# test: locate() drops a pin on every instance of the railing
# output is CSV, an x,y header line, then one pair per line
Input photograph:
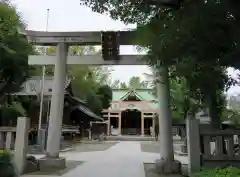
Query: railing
x,y
210,148
7,137
16,138
218,148
65,128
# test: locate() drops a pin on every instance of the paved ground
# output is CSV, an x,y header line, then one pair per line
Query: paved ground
x,y
122,159
154,146
96,146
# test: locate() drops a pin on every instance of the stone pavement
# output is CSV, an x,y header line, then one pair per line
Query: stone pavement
x,y
122,159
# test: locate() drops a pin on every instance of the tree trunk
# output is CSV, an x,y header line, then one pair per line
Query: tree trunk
x,y
214,111
165,119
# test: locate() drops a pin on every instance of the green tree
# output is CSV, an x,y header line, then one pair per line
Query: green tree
x,y
182,99
207,39
123,85
234,102
115,84
105,93
14,49
119,85
136,83
88,83
232,112
200,36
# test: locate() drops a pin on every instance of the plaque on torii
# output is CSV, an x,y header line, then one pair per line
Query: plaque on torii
x,y
110,45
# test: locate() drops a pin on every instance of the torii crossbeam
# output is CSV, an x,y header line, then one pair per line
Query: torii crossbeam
x,y
82,38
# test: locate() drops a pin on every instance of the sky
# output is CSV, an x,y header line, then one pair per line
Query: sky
x,y
68,15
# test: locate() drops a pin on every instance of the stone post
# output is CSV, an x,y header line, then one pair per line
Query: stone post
x,y
153,125
21,144
119,124
193,142
108,125
42,139
8,140
90,131
56,110
184,147
1,140
142,123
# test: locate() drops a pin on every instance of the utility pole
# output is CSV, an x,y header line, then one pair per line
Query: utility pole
x,y
41,133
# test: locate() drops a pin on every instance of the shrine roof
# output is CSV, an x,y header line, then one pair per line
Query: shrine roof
x,y
143,94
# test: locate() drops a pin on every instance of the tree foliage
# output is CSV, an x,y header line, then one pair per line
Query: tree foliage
x,y
14,51
197,41
233,109
88,83
10,112
134,82
182,99
14,48
105,92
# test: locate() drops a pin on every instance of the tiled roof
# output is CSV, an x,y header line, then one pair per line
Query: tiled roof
x,y
32,85
143,94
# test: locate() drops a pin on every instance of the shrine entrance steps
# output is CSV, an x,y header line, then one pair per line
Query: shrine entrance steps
x,y
130,138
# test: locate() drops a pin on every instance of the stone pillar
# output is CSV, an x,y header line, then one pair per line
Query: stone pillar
x,y
21,144
41,139
8,140
193,142
166,163
165,120
108,125
153,125
2,140
120,124
57,103
142,123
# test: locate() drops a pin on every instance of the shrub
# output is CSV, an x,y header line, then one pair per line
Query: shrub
x,y
6,166
5,156
218,172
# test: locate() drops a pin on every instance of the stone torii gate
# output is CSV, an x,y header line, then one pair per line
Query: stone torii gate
x,y
65,39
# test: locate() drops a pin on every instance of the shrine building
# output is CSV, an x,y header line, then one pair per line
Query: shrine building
x,y
132,112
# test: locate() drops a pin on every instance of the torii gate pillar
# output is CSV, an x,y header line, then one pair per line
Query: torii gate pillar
x,y
166,163
57,102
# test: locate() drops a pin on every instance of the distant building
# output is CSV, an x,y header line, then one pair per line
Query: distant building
x,y
132,112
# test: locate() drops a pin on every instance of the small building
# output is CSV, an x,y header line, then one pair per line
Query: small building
x,y
76,110
132,112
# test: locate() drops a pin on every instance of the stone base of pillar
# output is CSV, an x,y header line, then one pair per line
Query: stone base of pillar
x,y
176,167
47,163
